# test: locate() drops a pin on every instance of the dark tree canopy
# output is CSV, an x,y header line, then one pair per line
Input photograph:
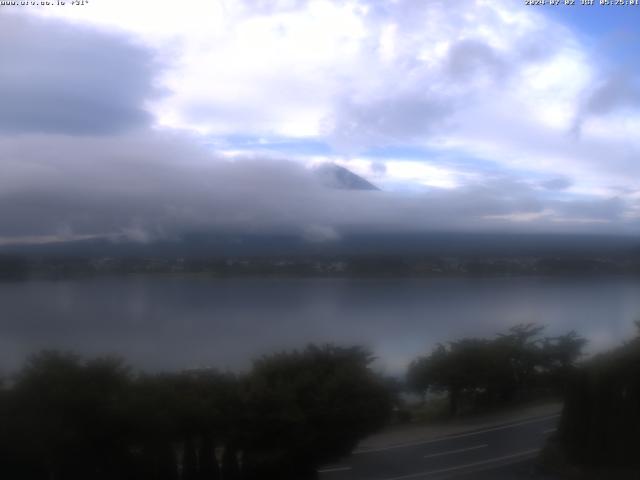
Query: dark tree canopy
x,y
600,423
497,370
67,418
312,406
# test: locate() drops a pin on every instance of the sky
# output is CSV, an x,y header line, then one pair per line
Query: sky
x,y
146,119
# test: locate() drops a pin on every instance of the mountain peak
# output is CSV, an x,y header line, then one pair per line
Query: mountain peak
x,y
334,176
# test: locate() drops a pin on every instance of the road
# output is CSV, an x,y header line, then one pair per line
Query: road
x,y
498,452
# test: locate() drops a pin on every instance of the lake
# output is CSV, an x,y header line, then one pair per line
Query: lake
x,y
184,322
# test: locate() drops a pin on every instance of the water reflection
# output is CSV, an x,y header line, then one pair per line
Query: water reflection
x,y
177,322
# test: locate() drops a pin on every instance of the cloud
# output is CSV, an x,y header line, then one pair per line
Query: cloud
x,y
344,70
558,183
431,69
378,168
320,233
88,147
470,58
61,78
619,91
391,120
608,209
161,185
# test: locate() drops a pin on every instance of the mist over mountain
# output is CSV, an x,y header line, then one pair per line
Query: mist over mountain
x,y
212,244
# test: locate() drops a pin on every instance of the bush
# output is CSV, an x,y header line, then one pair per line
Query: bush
x,y
68,418
600,425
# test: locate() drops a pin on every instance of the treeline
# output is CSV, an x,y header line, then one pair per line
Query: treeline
x,y
13,267
66,418
600,425
18,267
478,373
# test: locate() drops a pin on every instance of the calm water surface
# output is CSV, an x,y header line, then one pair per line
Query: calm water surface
x,y
183,322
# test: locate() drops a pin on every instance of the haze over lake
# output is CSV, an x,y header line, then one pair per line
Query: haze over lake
x,y
184,322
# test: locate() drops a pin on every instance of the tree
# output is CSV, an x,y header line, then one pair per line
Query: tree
x,y
493,371
305,408
600,422
67,419
461,368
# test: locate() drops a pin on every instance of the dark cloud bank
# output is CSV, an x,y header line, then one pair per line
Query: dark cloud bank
x,y
61,78
159,185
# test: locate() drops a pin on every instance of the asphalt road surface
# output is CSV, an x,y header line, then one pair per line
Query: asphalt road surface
x,y
499,452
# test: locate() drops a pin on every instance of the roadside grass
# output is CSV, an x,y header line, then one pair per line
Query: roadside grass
x,y
436,409
430,411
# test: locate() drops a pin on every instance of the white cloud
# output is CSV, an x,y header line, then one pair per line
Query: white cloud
x,y
405,173
240,66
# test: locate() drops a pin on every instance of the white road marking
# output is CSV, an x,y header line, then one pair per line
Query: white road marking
x,y
460,450
334,469
452,437
468,465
